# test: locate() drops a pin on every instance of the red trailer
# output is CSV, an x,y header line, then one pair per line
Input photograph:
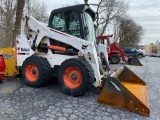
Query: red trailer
x,y
2,67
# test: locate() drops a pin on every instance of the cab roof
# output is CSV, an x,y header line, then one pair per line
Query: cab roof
x,y
78,8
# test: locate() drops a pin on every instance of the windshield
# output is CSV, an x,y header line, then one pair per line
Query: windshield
x,y
90,36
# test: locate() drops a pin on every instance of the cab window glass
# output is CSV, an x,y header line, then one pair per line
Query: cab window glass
x,y
67,22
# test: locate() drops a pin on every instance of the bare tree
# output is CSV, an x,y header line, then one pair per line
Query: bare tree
x,y
7,12
116,23
107,10
37,9
128,33
7,20
11,12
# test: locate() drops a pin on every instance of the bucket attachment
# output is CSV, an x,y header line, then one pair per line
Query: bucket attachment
x,y
125,90
134,61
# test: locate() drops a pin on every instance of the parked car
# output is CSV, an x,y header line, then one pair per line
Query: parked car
x,y
143,52
154,55
132,51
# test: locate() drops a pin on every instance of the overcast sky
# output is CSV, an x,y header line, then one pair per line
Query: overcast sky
x,y
144,12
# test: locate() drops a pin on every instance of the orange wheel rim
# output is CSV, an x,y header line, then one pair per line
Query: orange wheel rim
x,y
72,77
32,72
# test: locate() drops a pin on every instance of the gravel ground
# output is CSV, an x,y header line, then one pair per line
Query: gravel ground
x,y
20,102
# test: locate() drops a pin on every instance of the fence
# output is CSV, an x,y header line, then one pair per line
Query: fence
x,y
7,36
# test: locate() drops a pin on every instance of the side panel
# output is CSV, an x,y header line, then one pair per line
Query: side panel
x,y
23,49
55,59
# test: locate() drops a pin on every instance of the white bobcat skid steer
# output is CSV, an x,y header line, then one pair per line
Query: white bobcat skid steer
x,y
67,48
35,55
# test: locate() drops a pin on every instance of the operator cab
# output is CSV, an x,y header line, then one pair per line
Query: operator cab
x,y
74,20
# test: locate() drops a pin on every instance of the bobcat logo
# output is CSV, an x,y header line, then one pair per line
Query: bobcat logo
x,y
84,46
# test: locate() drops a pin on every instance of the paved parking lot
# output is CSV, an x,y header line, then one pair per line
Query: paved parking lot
x,y
20,102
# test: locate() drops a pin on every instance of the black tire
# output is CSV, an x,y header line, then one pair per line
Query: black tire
x,y
140,56
86,73
115,58
41,71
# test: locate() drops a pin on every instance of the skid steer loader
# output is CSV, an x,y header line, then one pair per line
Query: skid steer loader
x,y
67,48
